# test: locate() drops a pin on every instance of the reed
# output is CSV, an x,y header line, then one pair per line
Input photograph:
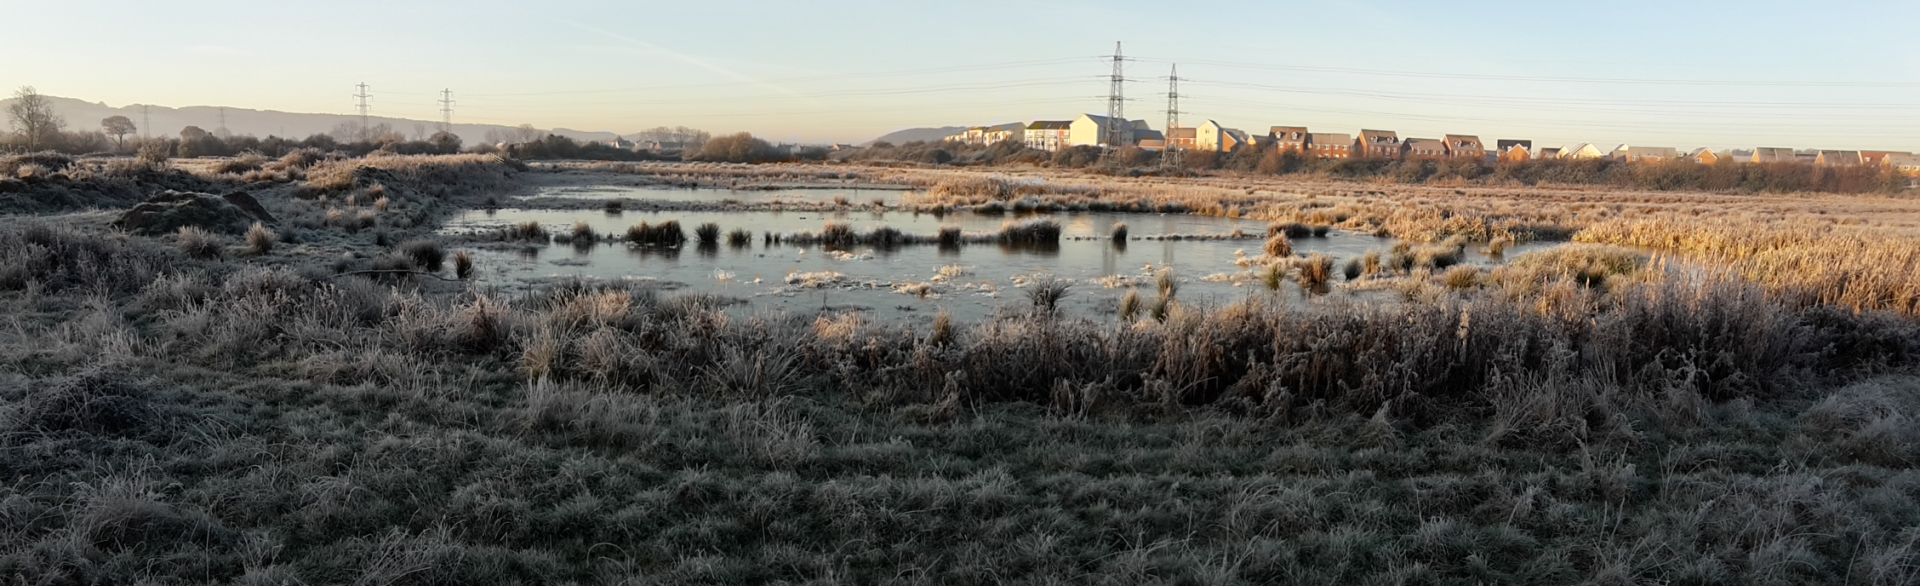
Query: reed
x,y
708,234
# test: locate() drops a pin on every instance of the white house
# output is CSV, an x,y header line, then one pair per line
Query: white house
x,y
1211,136
1091,130
1048,135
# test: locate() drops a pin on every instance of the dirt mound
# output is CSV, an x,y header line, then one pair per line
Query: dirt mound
x,y
170,210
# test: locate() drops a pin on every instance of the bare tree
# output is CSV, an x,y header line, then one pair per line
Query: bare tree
x,y
526,133
118,127
31,114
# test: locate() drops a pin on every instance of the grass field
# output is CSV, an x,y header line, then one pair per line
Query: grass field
x,y
285,414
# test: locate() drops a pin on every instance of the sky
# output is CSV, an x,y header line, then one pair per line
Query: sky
x,y
1679,73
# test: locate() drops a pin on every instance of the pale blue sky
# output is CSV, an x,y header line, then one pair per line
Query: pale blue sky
x,y
1810,75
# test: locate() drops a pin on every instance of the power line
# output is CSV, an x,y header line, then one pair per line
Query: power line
x,y
899,73
1542,79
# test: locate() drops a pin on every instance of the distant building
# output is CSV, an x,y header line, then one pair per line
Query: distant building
x,y
1091,130
1513,151
1329,145
1838,159
1582,151
1904,163
1182,137
1289,138
1773,155
1461,146
621,143
1013,131
1377,144
1048,135
1638,154
1422,148
1706,156
1211,136
1878,158
1549,153
1149,139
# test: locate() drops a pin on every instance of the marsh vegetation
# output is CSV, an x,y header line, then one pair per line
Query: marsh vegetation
x,y
324,399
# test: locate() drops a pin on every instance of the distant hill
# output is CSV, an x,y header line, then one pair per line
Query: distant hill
x,y
82,115
913,134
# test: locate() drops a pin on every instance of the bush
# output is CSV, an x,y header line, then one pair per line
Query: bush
x,y
738,148
425,253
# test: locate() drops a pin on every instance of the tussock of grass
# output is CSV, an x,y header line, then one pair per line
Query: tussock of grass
x,y
708,233
260,240
1120,233
666,233
463,264
200,243
1279,246
427,254
739,238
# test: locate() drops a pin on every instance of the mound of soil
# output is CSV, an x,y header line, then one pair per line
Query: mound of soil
x,y
170,210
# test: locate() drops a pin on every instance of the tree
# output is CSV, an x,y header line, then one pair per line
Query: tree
x,y
445,142
739,148
118,127
32,115
193,133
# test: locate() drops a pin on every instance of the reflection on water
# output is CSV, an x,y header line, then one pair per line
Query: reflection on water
x,y
990,275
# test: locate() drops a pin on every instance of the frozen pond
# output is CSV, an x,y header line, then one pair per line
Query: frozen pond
x,y
853,196
970,281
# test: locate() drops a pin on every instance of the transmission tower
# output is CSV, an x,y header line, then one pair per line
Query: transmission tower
x,y
1170,156
146,121
1116,102
446,111
221,131
364,108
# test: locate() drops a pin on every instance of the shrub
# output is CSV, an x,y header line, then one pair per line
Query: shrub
x,y
199,243
1290,229
425,253
1316,270
738,148
739,238
260,240
1046,293
708,233
583,235
949,237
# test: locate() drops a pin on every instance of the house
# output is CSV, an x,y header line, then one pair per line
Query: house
x,y
1584,150
1422,148
1211,136
1289,138
1181,137
1091,130
1377,144
1773,155
1461,146
1634,153
1878,158
1327,145
1149,139
1838,159
1013,131
663,145
1904,164
1706,156
621,143
1513,151
1548,153
1048,135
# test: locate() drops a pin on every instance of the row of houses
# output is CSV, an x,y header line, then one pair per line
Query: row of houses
x,y
1093,130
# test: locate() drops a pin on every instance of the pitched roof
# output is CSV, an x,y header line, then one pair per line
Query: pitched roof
x,y
1183,132
1330,138
1387,136
1007,126
1424,144
1505,143
1050,125
1283,131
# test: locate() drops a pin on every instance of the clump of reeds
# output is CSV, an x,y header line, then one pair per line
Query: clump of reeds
x,y
382,204
425,253
1030,232
1290,229
1272,275
1371,263
708,233
527,231
199,243
1130,305
838,234
583,235
949,237
942,333
666,233
1461,277
613,208
739,238
1046,293
1315,271
260,240
1279,246
1120,233
1353,269
462,265
1499,244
